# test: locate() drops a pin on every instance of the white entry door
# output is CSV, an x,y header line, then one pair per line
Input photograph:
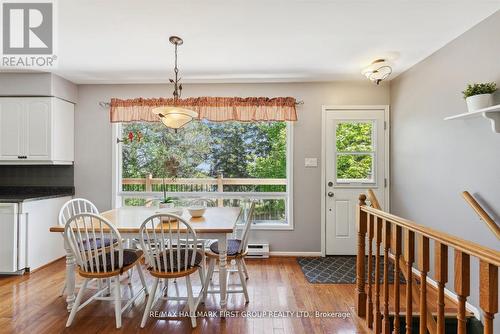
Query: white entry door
x,y
356,158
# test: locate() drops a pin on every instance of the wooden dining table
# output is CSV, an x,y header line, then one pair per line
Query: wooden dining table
x,y
216,223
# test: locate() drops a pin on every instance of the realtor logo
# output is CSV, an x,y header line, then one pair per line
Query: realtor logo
x,y
27,28
28,34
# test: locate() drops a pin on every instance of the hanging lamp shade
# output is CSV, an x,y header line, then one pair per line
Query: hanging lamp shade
x,y
174,117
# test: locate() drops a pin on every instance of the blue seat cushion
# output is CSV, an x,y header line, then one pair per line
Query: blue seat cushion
x,y
89,243
166,266
129,257
233,247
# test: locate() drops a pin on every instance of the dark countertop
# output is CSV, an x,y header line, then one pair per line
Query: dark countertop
x,y
24,194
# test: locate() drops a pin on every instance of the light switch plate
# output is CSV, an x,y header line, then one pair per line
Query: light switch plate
x,y
311,162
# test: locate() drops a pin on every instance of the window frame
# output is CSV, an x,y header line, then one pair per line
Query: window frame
x,y
118,195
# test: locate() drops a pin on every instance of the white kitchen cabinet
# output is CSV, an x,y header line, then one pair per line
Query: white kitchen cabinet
x,y
36,130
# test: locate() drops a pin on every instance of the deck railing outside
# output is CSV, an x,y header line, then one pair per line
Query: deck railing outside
x,y
270,194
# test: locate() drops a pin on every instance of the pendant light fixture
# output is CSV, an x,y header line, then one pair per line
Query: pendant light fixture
x,y
377,71
172,116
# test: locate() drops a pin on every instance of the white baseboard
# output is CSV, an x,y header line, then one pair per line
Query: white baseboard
x,y
303,254
450,294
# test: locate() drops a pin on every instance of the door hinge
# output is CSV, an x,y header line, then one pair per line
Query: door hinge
x,y
385,125
385,183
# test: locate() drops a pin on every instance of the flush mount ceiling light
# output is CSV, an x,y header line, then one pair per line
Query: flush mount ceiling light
x,y
377,71
172,116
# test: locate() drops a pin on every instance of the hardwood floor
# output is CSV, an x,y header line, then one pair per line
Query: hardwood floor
x,y
31,304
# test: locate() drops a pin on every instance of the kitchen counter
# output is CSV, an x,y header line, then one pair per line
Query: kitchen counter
x,y
25,194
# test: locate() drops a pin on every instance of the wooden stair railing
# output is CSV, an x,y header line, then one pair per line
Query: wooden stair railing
x,y
405,264
482,214
489,260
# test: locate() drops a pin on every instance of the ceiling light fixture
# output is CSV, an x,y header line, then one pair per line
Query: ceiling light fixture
x,y
172,116
377,71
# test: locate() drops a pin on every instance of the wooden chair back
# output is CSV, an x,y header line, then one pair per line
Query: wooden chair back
x,y
168,238
85,234
247,226
74,207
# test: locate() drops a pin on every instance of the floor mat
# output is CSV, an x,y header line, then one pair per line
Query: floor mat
x,y
339,269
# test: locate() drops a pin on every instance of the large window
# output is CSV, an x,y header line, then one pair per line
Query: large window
x,y
227,163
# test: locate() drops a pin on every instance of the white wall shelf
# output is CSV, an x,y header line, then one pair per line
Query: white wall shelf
x,y
491,113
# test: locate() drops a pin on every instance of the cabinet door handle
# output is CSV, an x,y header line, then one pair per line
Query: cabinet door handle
x,y
22,157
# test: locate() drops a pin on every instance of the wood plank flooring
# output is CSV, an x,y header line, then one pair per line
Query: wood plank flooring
x,y
31,304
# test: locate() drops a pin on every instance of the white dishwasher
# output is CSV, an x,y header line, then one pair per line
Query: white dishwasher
x,y
13,239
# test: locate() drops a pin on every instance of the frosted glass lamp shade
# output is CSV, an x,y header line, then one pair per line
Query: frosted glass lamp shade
x,y
377,71
175,117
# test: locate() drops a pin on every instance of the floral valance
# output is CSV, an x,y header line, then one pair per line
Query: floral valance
x,y
218,109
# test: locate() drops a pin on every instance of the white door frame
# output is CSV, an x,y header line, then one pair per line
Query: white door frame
x,y
333,108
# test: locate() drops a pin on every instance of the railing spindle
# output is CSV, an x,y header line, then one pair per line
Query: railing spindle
x,y
409,254
360,259
369,305
462,287
378,242
396,249
423,266
441,272
488,293
387,243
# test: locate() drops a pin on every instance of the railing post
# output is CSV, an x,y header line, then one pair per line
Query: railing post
x,y
462,287
441,276
423,266
488,293
360,259
149,183
220,189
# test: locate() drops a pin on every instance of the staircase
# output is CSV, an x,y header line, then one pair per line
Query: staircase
x,y
386,308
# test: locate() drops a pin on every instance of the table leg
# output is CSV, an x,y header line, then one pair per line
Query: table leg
x,y
223,271
70,277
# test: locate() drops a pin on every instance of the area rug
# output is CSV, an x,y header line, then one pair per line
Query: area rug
x,y
339,269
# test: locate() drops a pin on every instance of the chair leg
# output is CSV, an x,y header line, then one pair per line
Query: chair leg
x,y
118,303
192,311
245,267
141,276
243,281
76,305
151,298
208,277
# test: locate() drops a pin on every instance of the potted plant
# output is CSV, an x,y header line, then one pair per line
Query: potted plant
x,y
171,170
479,95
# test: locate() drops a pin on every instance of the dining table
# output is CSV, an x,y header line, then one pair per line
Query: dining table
x,y
216,223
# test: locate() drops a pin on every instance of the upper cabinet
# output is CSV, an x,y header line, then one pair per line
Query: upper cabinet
x,y
36,130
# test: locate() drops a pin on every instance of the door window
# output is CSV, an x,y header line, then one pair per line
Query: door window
x,y
355,152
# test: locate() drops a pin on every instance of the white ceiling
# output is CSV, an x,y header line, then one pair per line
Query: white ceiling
x,y
126,41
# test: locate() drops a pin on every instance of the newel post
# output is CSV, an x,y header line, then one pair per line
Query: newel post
x,y
361,218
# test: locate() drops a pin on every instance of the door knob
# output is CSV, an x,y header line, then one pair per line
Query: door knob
x,y
330,194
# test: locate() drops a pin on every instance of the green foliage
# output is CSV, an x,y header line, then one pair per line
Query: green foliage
x,y
354,137
479,88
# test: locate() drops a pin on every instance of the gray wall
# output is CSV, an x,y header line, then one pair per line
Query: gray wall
x,y
93,143
37,84
434,160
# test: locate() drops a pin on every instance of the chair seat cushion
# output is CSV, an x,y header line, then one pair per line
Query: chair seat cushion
x,y
233,247
169,267
130,256
89,243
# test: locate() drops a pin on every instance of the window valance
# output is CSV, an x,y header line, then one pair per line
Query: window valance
x,y
218,109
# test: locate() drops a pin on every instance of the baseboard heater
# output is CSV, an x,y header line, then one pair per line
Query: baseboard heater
x,y
258,251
